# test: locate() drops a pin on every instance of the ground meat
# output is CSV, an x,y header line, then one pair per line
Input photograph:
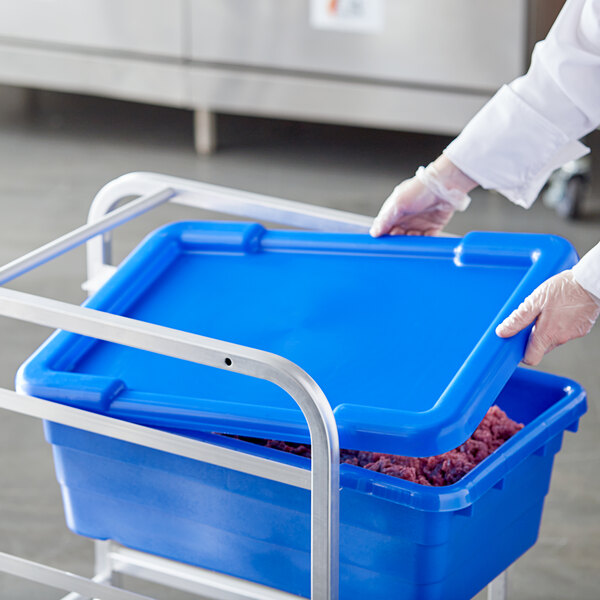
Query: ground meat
x,y
444,469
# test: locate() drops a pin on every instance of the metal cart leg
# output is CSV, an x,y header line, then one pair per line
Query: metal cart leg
x,y
498,589
103,563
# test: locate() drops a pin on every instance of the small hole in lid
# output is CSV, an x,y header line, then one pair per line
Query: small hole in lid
x,y
228,361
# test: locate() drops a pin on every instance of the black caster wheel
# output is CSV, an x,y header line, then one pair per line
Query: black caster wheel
x,y
569,206
567,189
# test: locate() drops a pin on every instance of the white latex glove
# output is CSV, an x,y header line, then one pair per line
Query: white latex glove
x,y
562,311
422,205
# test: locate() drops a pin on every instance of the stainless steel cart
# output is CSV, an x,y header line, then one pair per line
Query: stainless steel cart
x,y
112,560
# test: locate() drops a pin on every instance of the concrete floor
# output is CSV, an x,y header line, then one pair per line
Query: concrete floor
x,y
53,160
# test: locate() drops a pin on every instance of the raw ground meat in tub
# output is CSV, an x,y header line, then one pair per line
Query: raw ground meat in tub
x,y
444,469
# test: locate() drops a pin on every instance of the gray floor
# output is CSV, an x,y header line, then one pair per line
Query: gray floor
x,y
55,156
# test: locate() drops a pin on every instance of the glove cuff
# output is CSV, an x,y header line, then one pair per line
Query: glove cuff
x,y
430,178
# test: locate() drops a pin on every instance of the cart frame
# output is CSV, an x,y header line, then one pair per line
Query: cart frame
x,y
112,560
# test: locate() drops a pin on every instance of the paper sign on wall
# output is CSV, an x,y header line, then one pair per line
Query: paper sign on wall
x,y
365,16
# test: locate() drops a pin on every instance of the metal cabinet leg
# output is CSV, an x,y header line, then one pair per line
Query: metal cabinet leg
x,y
498,589
205,131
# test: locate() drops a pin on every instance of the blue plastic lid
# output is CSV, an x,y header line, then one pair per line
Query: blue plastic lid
x,y
398,331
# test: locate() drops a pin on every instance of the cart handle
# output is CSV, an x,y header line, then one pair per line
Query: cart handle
x,y
202,350
214,198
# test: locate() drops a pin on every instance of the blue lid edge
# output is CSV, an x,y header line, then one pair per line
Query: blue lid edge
x,y
137,272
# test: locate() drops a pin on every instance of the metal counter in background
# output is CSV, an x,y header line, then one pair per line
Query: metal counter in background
x,y
420,65
425,66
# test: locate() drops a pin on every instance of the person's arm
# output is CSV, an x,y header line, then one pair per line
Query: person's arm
x,y
587,271
528,129
531,126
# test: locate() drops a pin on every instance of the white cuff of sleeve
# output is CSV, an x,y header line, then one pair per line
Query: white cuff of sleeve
x,y
510,147
587,272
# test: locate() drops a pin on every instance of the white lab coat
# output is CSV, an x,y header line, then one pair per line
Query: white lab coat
x,y
532,125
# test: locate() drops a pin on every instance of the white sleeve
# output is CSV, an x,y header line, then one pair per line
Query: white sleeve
x,y
587,271
531,126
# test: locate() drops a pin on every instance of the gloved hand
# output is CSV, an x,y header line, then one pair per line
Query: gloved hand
x,y
424,204
563,311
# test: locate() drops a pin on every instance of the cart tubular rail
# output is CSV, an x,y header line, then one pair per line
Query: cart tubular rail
x,y
152,190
